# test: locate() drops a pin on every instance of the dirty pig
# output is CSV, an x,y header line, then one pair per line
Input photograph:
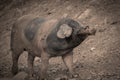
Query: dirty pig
x,y
46,38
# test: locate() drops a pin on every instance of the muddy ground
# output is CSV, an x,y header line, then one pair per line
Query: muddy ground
x,y
97,58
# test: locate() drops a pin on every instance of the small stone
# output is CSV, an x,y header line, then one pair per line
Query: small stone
x,y
37,59
93,48
65,15
20,76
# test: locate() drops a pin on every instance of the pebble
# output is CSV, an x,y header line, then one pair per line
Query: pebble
x,y
20,76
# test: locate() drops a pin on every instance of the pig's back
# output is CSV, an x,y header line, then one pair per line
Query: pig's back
x,y
32,28
25,28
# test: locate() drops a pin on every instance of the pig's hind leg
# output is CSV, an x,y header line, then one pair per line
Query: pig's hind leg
x,y
15,56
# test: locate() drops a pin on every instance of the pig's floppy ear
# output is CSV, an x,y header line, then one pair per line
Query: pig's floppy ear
x,y
64,31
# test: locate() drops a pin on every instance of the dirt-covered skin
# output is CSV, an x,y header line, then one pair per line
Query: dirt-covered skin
x,y
97,58
46,38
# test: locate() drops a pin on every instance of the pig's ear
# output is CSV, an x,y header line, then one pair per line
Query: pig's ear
x,y
64,31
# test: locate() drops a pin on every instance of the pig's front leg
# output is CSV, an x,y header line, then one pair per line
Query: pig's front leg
x,y
68,61
30,66
45,61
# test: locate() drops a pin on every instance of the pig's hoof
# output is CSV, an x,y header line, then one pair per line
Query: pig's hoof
x,y
20,76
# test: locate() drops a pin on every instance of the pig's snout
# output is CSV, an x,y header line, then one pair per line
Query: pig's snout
x,y
87,31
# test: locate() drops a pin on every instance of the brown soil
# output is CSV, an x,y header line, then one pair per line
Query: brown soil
x,y
97,58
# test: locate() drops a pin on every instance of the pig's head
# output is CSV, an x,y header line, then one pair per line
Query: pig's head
x,y
67,34
72,27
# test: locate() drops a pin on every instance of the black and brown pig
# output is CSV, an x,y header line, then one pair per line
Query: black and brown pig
x,y
46,38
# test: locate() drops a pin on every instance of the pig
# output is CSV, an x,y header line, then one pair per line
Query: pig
x,y
46,38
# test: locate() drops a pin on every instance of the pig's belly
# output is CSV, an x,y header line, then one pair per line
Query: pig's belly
x,y
54,53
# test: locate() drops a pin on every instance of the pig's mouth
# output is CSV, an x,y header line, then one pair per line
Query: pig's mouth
x,y
87,31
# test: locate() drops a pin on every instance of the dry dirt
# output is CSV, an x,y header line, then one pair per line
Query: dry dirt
x,y
97,58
